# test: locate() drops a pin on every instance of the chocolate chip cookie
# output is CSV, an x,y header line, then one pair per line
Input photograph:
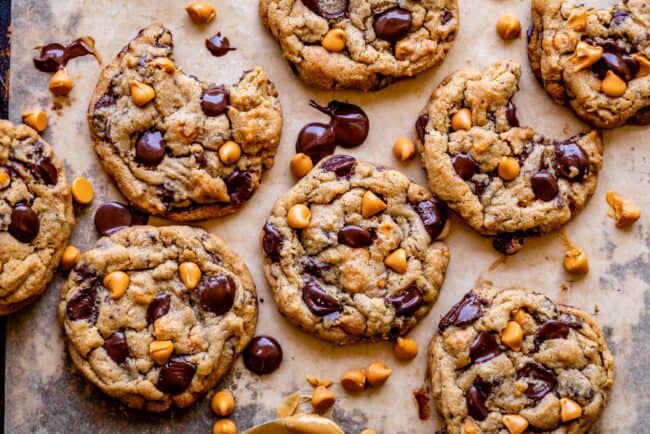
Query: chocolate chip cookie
x,y
512,360
36,216
177,146
351,252
156,316
362,44
503,179
597,61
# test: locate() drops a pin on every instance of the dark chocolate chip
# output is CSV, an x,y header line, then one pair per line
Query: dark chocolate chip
x,y
316,140
319,302
571,161
433,214
218,45
175,376
544,186
618,65
551,329
393,25
354,236
465,165
106,100
342,165
619,16
484,348
508,243
446,16
349,122
217,294
421,125
240,187
406,302
116,347
150,148
314,267
328,9
263,355
82,307
111,217
544,380
511,114
272,242
464,312
158,307
46,170
214,101
24,224
476,404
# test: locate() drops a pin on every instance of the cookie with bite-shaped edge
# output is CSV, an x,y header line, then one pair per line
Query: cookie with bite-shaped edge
x,y
376,42
503,179
597,61
195,150
513,356
367,263
36,215
156,333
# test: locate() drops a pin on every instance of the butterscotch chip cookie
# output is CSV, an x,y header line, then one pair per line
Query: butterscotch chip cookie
x,y
363,44
500,177
507,360
364,264
156,316
36,216
597,61
159,132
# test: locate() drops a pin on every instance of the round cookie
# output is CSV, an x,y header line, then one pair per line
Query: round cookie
x,y
514,358
501,178
597,61
370,43
363,263
156,316
36,216
196,150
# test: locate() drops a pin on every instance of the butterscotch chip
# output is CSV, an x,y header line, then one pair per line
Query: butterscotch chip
x,y
377,374
201,12
322,399
613,85
36,119
301,164
334,40
462,120
625,212
404,148
82,191
406,349
141,93
509,27
190,274
61,84
224,426
223,403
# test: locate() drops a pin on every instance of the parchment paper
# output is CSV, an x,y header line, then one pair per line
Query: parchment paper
x,y
43,394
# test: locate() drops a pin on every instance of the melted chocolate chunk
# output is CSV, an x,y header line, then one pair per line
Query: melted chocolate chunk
x,y
465,165
571,161
446,16
393,25
314,267
349,122
619,17
46,170
158,307
55,56
616,63
421,125
544,186
218,294
272,242
551,329
116,347
328,9
511,114
508,243
317,141
150,148
484,348
476,403
82,307
319,302
240,187
106,100
218,45
354,236
407,302
111,217
433,214
544,380
175,376
342,165
24,224
464,312
214,101
263,355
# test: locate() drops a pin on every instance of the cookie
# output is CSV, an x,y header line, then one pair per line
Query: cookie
x,y
597,61
155,317
176,146
500,177
351,252
362,44
507,360
36,216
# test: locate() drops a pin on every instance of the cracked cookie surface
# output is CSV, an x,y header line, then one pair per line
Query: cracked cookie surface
x,y
500,177
148,329
366,264
597,61
382,40
36,216
167,155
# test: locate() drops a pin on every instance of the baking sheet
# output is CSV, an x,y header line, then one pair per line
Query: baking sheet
x,y
43,394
